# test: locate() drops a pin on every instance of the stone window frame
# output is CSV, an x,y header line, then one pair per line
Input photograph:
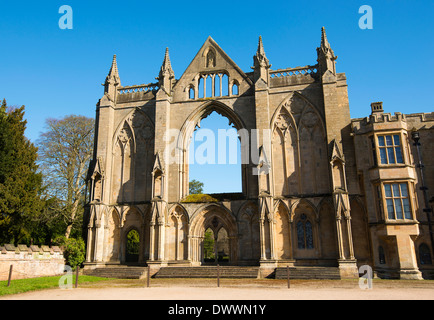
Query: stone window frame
x,y
224,89
384,213
376,148
303,220
191,89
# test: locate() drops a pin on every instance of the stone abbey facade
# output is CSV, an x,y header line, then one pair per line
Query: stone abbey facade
x,y
327,190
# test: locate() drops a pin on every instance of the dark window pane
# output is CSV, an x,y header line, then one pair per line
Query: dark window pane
x,y
300,235
391,155
404,192
383,156
382,256
396,140
398,209
395,188
389,141
309,235
381,141
407,211
388,190
399,155
390,210
424,254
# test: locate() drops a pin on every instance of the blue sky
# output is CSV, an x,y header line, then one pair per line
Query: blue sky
x,y
56,72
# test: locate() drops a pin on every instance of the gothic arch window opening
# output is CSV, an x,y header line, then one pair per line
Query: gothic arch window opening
x,y
304,233
213,85
235,88
214,156
191,93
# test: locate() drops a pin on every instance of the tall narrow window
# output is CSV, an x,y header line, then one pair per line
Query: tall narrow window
x,y
201,90
374,151
390,149
225,85
304,233
381,255
191,93
379,202
208,84
234,89
397,201
217,85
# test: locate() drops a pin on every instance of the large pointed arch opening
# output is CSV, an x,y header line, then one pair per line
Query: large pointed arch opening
x,y
211,149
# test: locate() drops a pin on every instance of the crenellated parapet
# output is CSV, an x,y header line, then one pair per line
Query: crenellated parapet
x,y
30,261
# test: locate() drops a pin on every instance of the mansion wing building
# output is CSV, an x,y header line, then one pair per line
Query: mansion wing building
x,y
326,191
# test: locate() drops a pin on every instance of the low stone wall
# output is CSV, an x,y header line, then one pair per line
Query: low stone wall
x,y
30,262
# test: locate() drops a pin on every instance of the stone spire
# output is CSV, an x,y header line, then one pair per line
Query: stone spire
x,y
114,68
326,56
166,74
260,53
261,63
324,42
112,80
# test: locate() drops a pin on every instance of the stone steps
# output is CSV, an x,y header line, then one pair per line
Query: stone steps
x,y
208,272
235,272
325,273
121,272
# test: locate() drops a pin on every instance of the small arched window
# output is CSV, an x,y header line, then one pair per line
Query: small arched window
x,y
235,89
304,233
424,255
191,93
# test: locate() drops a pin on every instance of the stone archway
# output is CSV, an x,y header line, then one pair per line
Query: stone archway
x,y
186,132
224,230
132,246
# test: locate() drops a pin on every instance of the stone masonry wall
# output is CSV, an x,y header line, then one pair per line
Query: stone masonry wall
x,y
30,262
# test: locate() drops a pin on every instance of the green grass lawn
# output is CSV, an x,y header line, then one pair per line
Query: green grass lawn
x,y
24,285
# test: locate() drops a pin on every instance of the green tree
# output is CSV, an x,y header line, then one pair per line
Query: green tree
x,y
208,246
20,182
65,151
195,187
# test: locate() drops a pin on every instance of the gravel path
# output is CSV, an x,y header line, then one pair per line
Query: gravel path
x,y
304,291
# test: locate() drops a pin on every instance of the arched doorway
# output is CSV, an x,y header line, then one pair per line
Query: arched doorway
x,y
214,236
132,247
216,247
222,246
209,246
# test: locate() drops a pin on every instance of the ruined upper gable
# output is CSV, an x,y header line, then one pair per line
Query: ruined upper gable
x,y
211,74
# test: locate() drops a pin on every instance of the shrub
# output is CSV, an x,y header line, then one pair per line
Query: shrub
x,y
73,250
199,198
